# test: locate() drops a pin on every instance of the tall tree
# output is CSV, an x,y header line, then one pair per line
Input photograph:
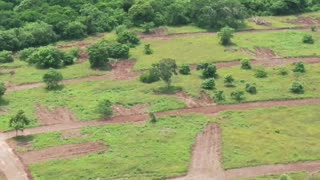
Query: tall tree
x,y
165,69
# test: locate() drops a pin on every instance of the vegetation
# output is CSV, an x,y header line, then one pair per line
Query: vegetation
x,y
297,88
3,89
165,69
251,88
228,80
245,64
210,71
219,96
19,122
260,73
98,55
225,35
52,79
6,57
308,39
299,67
147,49
184,69
208,83
105,108
237,95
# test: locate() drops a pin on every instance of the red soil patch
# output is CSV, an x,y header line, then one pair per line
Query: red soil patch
x,y
191,102
61,152
137,109
123,70
264,53
60,116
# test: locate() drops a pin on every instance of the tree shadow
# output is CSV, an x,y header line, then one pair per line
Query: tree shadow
x,y
24,139
166,90
56,88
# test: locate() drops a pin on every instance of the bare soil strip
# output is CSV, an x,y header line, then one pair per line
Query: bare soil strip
x,y
61,152
60,116
192,102
250,172
137,109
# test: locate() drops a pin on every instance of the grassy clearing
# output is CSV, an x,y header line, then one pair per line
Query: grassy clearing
x,y
83,98
150,151
185,50
276,22
26,74
270,136
294,176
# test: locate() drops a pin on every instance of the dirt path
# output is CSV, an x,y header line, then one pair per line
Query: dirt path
x,y
10,164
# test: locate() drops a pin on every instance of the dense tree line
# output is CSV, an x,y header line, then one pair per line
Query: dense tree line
x,y
29,23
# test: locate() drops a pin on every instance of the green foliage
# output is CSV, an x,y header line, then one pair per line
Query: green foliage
x,y
245,64
285,177
261,73
208,84
3,89
184,69
251,88
153,118
128,37
225,35
149,77
283,71
104,108
237,95
210,71
165,69
19,121
52,79
202,66
141,11
74,30
228,80
308,39
219,96
313,28
46,57
98,55
299,67
148,27
147,49
6,57
25,53
297,88
117,50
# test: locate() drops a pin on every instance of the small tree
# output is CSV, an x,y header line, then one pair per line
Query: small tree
x,y
219,96
202,66
313,28
251,88
147,49
297,88
245,64
3,89
165,69
184,69
46,57
6,57
237,95
228,81
105,108
52,79
153,118
261,73
208,83
225,35
19,122
299,67
98,54
210,71
307,39
148,27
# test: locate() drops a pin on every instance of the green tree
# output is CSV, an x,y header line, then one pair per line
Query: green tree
x,y
297,88
117,50
105,108
148,27
128,37
228,80
52,79
210,71
208,83
299,67
245,64
308,39
225,35
19,122
251,88
6,57
237,95
165,69
3,89
46,57
147,49
74,30
261,73
141,12
98,55
184,69
219,96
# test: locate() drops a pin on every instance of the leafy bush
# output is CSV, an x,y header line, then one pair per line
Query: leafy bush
x,y
52,79
105,108
184,69
297,88
68,59
245,64
299,67
283,71
98,55
6,57
225,35
210,71
149,77
117,50
251,88
208,84
313,28
46,57
25,53
307,39
128,37
261,73
3,89
74,30
285,177
219,96
237,95
228,80
147,49
148,27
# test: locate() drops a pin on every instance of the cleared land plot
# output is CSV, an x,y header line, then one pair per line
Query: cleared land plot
x,y
149,151
270,136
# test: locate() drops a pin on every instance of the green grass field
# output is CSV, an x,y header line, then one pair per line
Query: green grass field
x,y
150,151
270,136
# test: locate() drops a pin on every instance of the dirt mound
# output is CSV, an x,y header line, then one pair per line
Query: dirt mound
x,y
61,152
191,102
137,109
61,115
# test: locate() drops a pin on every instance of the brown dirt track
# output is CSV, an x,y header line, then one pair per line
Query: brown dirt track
x,y
61,152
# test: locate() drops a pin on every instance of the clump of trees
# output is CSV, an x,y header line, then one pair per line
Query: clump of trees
x,y
52,79
149,77
130,38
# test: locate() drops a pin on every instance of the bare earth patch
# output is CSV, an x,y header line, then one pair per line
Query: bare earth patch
x,y
61,152
192,102
264,53
61,115
137,109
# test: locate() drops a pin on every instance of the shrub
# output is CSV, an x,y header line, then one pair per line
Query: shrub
x,y
147,49
208,83
117,50
245,64
313,28
98,55
299,67
6,57
202,66
297,88
52,79
237,95
285,177
210,71
74,30
2,89
68,59
283,71
184,69
307,39
225,35
25,53
105,108
251,88
260,73
228,80
148,27
128,37
219,96
149,77
153,118
46,57
75,52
